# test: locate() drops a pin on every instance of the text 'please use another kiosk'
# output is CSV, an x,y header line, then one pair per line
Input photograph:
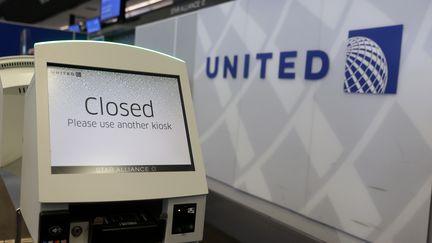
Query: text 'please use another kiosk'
x,y
111,150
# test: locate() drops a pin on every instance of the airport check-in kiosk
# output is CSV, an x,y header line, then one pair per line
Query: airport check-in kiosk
x,y
111,150
15,75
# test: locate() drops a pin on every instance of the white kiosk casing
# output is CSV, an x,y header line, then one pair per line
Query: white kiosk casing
x,y
16,73
50,181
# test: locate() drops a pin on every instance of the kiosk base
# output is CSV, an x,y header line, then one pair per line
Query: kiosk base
x,y
163,220
141,221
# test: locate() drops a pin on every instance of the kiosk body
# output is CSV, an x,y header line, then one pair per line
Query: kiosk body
x,y
15,75
93,171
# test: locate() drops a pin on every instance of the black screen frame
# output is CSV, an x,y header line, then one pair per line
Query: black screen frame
x,y
124,168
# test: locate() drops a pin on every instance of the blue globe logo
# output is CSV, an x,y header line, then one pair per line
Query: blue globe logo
x,y
366,69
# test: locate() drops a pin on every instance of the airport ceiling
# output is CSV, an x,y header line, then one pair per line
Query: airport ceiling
x,y
34,11
57,13
53,13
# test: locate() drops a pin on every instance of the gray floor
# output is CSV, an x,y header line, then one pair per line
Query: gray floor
x,y
247,225
7,213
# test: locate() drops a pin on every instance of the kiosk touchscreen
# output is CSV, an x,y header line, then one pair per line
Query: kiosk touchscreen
x,y
16,73
111,150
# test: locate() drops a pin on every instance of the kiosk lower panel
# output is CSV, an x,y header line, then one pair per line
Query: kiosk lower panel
x,y
132,222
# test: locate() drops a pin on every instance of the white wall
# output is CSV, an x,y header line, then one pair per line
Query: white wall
x,y
359,163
